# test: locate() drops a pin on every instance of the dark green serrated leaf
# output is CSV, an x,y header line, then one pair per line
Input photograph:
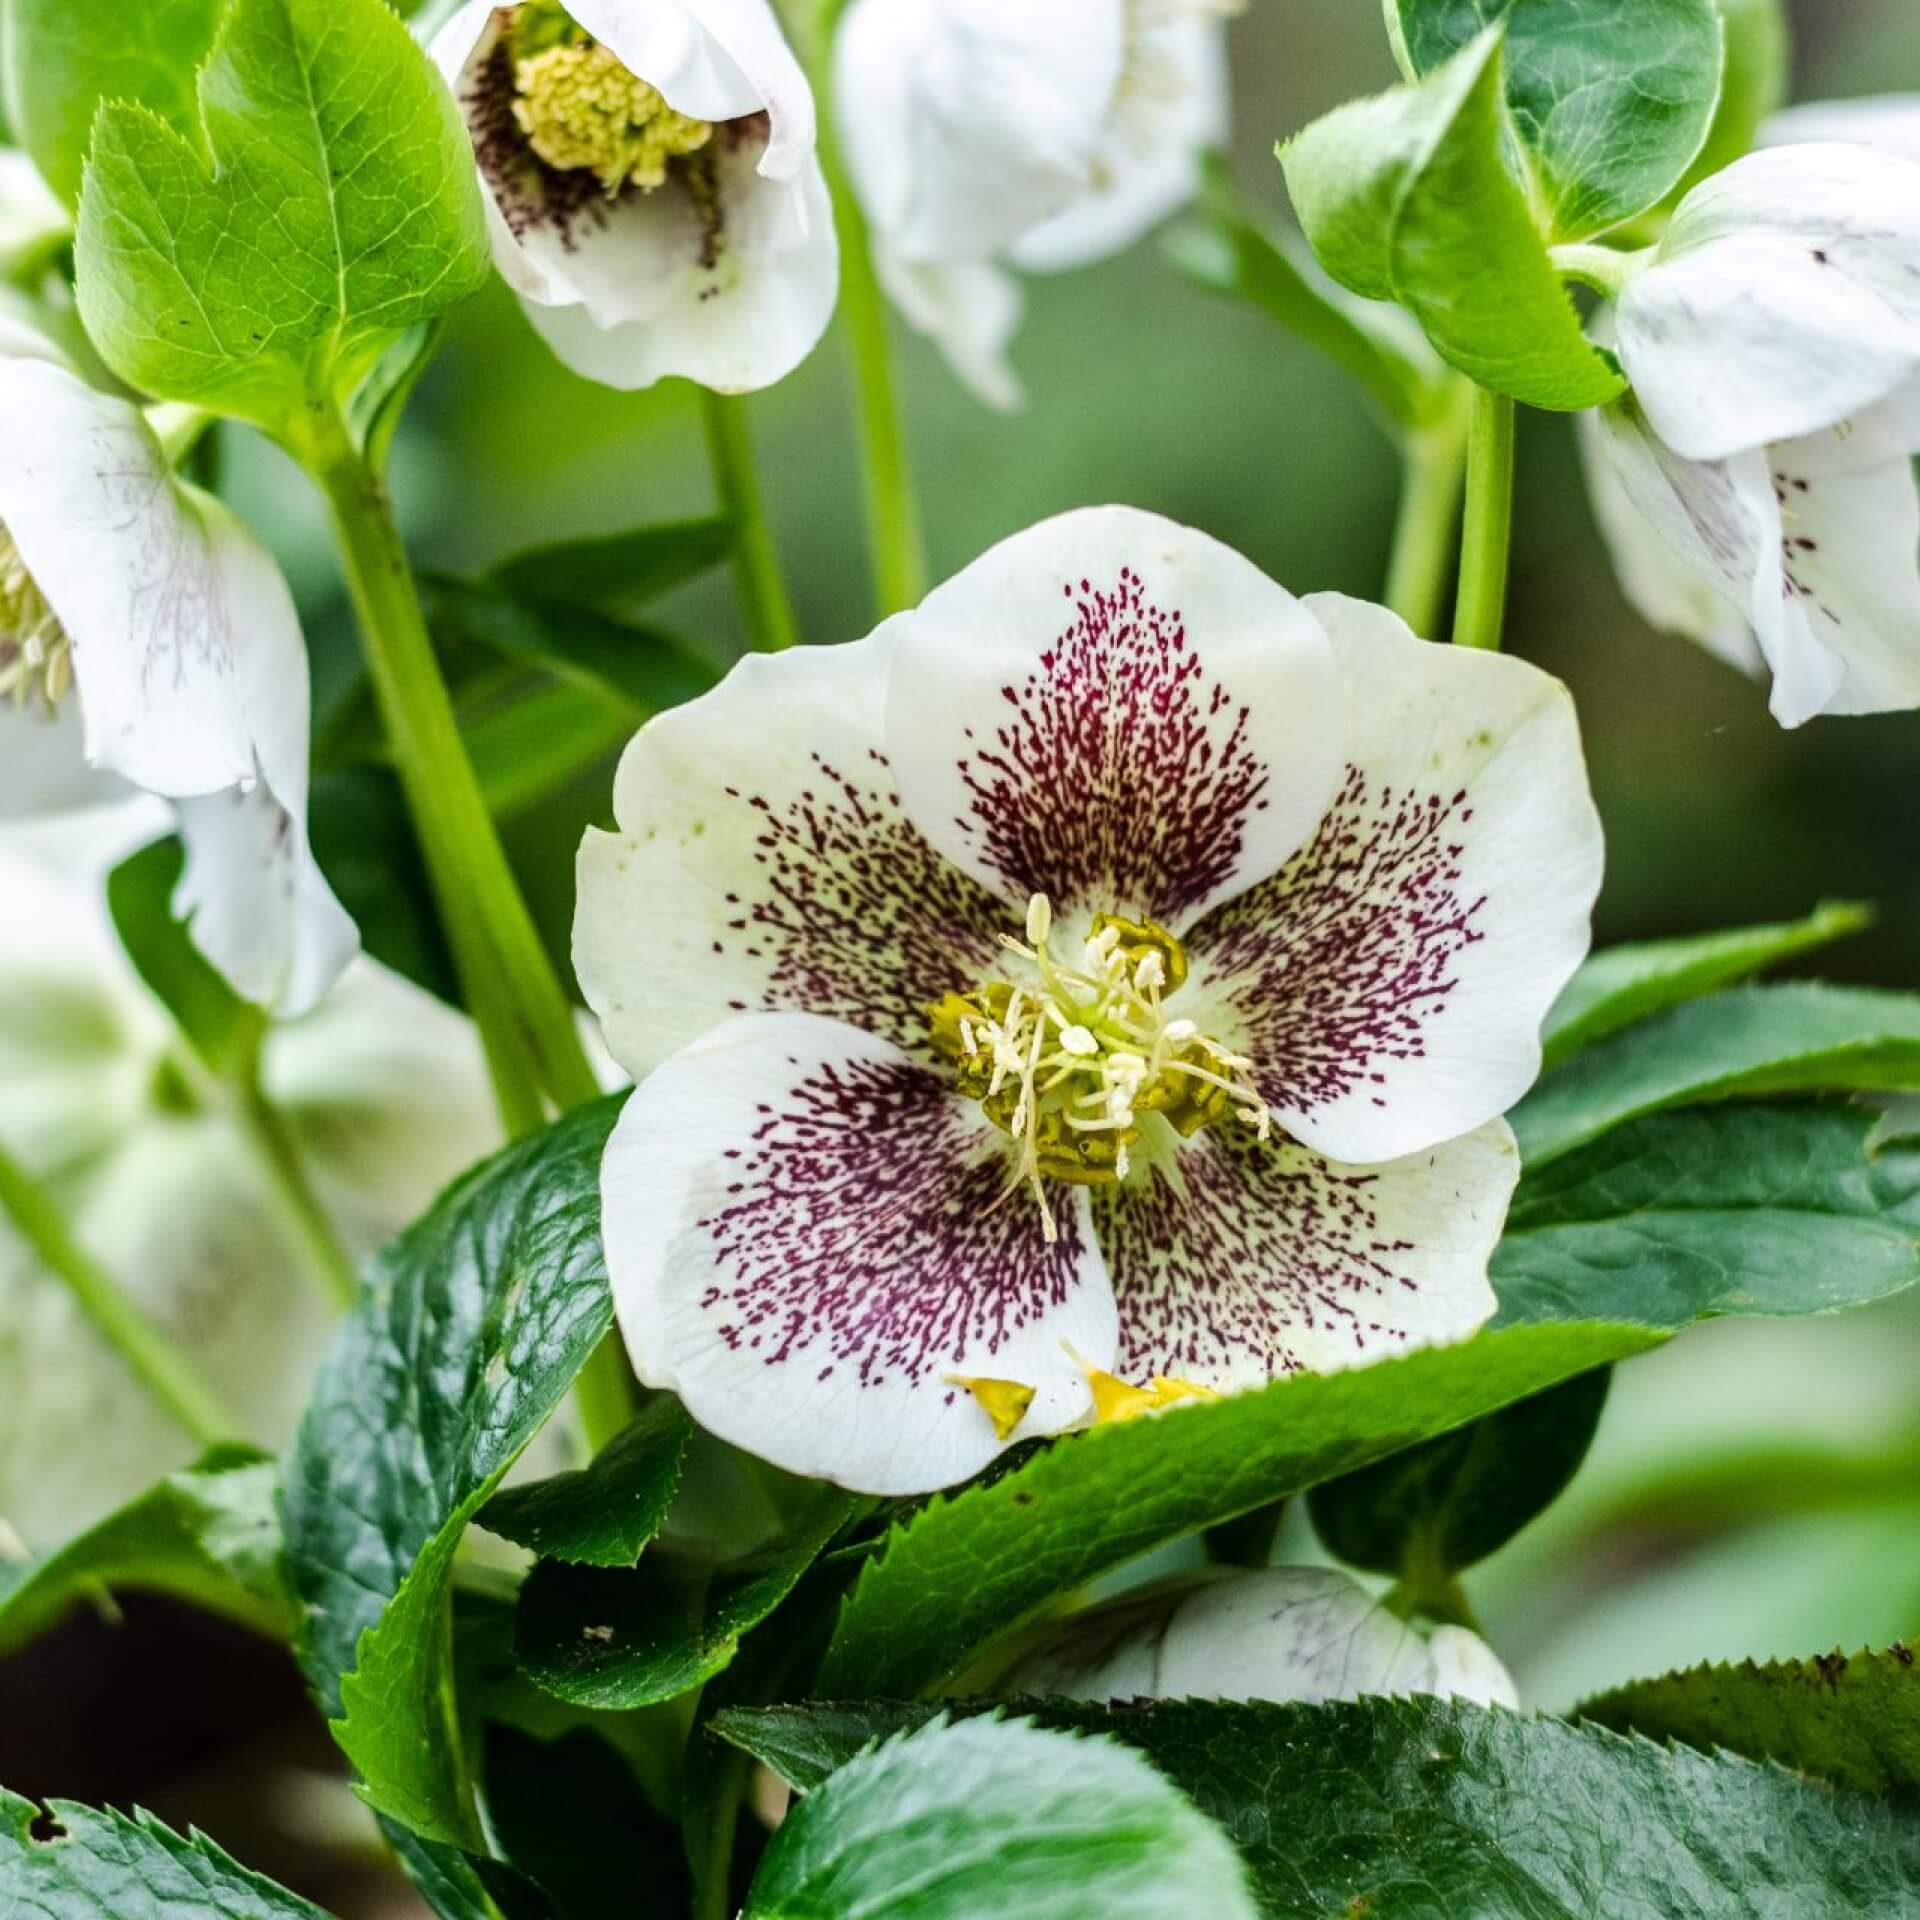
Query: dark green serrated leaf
x,y
62,59
614,572
631,1637
467,1334
1610,99
950,1822
603,1514
1794,1038
217,1023
208,1535
977,1564
1407,198
1424,1809
104,1866
1629,983
1853,1718
331,209
1774,1209
1430,1512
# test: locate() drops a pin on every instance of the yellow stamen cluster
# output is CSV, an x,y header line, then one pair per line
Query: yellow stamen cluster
x,y
1070,1061
581,109
36,656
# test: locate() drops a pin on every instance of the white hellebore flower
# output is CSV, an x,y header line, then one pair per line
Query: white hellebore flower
x,y
1303,1634
983,132
174,630
651,187
385,1093
1114,966
1773,342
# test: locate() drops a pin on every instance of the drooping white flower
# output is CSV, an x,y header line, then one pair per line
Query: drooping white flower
x,y
385,1092
986,133
1113,967
1888,121
172,628
651,186
1303,1634
1773,342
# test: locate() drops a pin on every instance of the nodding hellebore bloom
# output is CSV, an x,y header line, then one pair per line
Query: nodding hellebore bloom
x,y
1098,987
982,134
1285,1633
1757,486
385,1095
145,601
651,188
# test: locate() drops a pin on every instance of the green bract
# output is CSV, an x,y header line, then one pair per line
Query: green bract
x,y
1408,197
326,207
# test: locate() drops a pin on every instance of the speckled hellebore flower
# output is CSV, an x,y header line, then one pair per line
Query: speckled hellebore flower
x,y
988,134
651,188
384,1091
1757,487
133,593
1285,1633
1102,984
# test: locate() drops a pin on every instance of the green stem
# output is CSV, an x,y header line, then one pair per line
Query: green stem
x,y
326,1259
1435,461
1486,538
603,1394
160,1367
756,561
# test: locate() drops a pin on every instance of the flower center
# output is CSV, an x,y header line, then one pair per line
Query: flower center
x,y
1069,1060
36,656
581,110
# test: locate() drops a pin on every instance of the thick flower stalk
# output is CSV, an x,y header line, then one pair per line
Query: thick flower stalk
x,y
986,135
1302,1634
1100,986
651,188
145,601
1757,487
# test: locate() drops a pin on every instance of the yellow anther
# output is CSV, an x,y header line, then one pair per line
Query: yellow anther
x,y
1116,1399
1039,919
582,110
1005,1402
36,656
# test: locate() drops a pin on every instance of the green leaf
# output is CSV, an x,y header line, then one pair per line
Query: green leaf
x,y
988,1816
612,573
979,1563
1407,198
217,1023
62,59
1414,1809
1777,1209
104,1866
1610,100
601,1515
340,211
1426,1514
1796,1038
467,1334
631,1637
1628,983
1755,82
531,747
1852,1718
207,1535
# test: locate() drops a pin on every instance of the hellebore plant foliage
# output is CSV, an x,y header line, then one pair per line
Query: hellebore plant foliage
x,y
1111,1050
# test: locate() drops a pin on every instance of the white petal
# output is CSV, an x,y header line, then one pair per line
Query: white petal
x,y
1888,121
45,763
966,121
1671,587
804,1243
31,216
970,309
1466,1668
1116,711
1784,298
763,862
1389,983
1235,1261
1170,107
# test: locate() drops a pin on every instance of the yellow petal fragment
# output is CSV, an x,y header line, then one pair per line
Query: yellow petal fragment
x,y
1117,1399
1005,1402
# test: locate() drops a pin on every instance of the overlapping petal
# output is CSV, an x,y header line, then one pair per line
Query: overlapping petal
x,y
1888,121
805,1243
1116,711
1389,982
